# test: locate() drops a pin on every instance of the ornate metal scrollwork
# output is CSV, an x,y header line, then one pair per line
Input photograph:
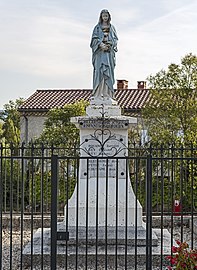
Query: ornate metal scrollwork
x,y
103,143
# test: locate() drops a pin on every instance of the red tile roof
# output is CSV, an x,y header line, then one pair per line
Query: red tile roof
x,y
44,100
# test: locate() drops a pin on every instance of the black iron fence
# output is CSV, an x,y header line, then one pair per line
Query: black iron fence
x,y
113,213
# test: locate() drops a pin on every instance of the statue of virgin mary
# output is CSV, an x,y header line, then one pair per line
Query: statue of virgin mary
x,y
104,46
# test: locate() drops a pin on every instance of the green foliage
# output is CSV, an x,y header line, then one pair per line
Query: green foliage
x,y
192,184
10,117
40,185
28,180
11,184
1,131
159,186
171,119
172,179
171,113
58,130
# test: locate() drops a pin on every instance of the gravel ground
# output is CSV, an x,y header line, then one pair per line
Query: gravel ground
x,y
16,249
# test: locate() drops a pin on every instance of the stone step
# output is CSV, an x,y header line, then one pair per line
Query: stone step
x,y
110,235
68,254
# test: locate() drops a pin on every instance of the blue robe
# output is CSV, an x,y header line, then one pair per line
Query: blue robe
x,y
103,62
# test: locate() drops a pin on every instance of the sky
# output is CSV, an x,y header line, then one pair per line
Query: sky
x,y
45,44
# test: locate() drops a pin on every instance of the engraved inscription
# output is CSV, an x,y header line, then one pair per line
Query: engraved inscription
x,y
104,165
107,123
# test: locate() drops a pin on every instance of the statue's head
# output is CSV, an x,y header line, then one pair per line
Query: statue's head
x,y
105,15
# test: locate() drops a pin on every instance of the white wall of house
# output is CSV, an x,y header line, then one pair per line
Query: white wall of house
x,y
31,127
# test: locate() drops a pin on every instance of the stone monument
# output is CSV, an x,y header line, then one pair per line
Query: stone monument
x,y
103,213
104,196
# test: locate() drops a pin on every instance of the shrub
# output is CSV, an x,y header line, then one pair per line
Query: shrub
x,y
183,257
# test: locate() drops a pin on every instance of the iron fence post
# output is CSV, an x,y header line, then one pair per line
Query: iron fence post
x,y
149,213
54,170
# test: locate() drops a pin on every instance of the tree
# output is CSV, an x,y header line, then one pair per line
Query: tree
x,y
10,118
171,118
61,133
58,130
171,113
1,129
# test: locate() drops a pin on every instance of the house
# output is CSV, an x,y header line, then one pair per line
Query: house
x,y
34,110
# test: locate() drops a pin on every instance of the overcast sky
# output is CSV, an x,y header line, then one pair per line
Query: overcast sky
x,y
45,43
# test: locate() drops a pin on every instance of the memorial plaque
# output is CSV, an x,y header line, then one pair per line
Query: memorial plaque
x,y
103,153
103,123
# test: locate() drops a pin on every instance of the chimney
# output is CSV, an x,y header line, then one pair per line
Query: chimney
x,y
122,84
141,85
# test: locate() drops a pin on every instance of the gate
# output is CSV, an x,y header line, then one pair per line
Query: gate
x,y
61,236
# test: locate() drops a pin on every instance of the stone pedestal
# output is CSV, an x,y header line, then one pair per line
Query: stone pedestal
x,y
104,193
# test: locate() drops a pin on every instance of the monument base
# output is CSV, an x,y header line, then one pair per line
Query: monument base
x,y
111,235
98,252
